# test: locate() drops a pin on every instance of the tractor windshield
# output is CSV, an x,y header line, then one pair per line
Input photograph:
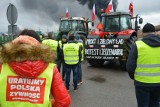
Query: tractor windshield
x,y
116,23
125,22
76,25
111,23
65,25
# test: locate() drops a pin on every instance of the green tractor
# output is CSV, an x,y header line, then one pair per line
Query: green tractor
x,y
75,25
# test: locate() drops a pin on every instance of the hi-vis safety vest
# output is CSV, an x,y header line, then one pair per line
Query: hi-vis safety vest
x,y
25,92
82,51
60,44
148,63
71,53
51,43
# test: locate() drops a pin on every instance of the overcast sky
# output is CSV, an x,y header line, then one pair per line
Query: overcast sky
x,y
45,14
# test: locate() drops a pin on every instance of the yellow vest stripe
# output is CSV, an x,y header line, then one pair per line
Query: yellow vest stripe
x,y
148,65
70,55
147,74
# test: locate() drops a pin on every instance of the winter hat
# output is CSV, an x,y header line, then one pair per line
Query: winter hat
x,y
30,33
148,28
64,36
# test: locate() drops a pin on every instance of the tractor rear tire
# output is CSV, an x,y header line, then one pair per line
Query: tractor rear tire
x,y
129,44
96,62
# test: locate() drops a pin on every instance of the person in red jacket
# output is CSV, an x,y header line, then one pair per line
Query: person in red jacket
x,y
29,65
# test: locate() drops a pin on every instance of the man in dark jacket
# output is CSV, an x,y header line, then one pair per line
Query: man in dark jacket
x,y
143,66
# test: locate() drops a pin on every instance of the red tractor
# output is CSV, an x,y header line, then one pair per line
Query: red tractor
x,y
113,39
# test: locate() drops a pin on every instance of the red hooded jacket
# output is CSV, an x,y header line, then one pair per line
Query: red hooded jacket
x,y
31,64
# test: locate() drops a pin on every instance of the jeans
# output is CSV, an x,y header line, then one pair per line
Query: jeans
x,y
68,69
79,73
148,96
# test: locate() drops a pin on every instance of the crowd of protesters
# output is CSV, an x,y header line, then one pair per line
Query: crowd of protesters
x,y
39,69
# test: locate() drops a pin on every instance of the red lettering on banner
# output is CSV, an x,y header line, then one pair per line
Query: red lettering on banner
x,y
25,89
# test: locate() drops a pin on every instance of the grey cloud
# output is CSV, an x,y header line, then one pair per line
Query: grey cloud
x,y
47,12
54,8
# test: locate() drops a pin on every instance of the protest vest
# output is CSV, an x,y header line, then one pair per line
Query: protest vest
x,y
148,63
17,91
53,44
71,53
82,51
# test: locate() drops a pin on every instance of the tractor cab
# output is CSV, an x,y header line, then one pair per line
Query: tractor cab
x,y
70,24
116,22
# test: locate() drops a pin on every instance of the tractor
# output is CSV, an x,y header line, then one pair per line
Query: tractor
x,y
113,39
73,25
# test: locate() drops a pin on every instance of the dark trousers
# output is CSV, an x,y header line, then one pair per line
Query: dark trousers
x,y
148,96
68,69
59,63
79,72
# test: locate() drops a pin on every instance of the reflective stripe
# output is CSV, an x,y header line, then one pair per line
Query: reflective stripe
x,y
147,74
70,55
71,60
148,65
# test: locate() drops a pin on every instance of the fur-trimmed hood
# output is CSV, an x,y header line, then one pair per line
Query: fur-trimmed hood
x,y
26,60
21,52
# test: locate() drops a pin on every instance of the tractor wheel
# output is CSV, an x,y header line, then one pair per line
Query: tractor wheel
x,y
129,44
95,62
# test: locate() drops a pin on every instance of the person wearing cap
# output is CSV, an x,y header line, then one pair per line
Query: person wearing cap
x,y
28,75
80,43
143,66
72,57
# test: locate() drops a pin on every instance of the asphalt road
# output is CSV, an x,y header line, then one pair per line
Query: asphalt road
x,y
108,86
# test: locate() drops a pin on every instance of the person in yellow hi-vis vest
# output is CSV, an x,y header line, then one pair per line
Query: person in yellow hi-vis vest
x,y
72,57
55,46
28,76
143,66
80,43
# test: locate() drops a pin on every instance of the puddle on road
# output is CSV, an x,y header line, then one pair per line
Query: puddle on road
x,y
99,79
